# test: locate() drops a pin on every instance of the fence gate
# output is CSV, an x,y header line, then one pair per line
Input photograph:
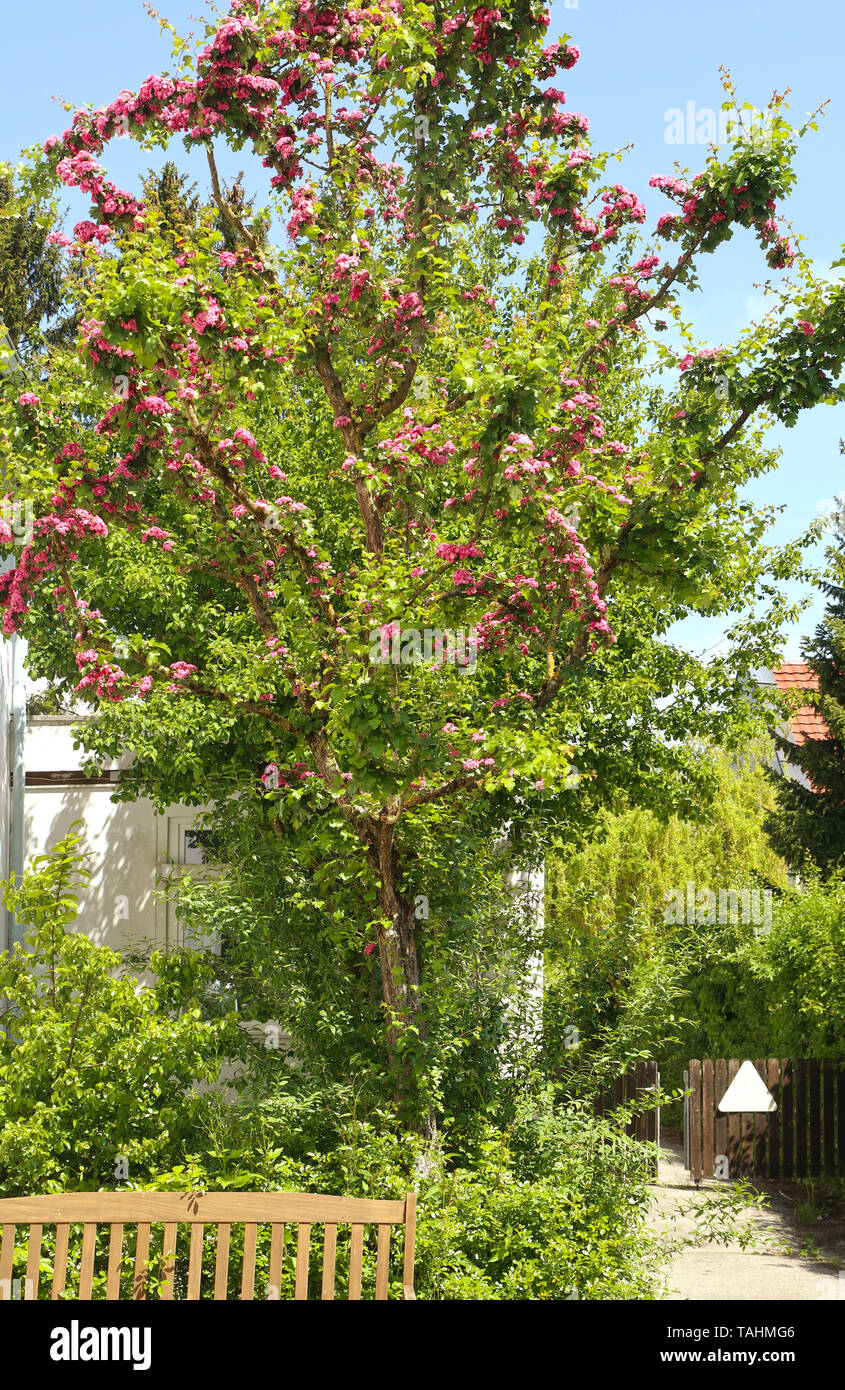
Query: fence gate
x,y
804,1137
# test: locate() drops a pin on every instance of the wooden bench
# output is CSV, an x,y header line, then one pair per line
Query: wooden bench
x,y
221,1210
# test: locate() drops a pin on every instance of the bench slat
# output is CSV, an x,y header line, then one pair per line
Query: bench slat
x,y
248,1270
195,1261
60,1262
207,1208
33,1262
117,1209
303,1255
329,1254
7,1255
410,1239
382,1262
356,1251
142,1252
277,1247
168,1261
221,1264
86,1265
115,1258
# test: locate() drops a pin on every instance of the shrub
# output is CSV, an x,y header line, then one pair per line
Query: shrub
x,y
551,1206
94,1068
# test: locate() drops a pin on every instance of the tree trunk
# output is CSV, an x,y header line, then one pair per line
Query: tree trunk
x,y
401,981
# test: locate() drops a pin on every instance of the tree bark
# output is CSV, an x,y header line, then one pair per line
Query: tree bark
x,y
401,977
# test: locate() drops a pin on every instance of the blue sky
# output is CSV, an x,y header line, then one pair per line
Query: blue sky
x,y
638,61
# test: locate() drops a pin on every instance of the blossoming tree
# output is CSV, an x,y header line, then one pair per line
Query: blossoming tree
x,y
433,397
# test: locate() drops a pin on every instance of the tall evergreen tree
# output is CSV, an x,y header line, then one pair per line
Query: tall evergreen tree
x,y
180,209
808,824
34,308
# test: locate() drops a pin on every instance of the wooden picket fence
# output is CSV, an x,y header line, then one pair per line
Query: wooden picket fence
x,y
641,1079
804,1137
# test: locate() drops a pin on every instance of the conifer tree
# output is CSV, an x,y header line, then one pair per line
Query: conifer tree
x,y
33,279
809,822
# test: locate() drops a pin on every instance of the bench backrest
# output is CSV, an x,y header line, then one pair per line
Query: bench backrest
x,y
221,1210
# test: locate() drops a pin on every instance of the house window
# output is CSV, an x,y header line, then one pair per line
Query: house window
x,y
193,849
181,850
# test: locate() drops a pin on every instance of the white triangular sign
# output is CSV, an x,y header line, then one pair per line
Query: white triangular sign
x,y
748,1092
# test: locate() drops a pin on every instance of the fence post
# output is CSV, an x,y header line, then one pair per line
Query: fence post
x,y
708,1108
761,1126
721,1120
815,1120
840,1123
800,1117
787,1103
656,1113
828,1119
695,1119
774,1119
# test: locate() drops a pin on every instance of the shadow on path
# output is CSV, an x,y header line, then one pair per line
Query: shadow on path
x,y
772,1268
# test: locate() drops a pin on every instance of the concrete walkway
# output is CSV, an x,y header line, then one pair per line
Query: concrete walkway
x,y
771,1269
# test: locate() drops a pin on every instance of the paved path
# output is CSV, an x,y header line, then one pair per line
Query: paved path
x,y
709,1271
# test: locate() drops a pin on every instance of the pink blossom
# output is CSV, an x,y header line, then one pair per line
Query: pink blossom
x,y
155,405
89,231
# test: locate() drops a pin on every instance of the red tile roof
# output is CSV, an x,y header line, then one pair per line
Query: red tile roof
x,y
795,675
806,722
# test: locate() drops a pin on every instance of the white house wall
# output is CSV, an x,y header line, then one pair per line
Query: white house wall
x,y
131,848
117,906
48,745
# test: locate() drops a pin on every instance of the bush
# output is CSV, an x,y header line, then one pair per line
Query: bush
x,y
551,1208
94,1069
547,1202
779,992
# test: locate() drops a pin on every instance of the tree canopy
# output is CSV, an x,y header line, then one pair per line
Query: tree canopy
x,y
424,390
